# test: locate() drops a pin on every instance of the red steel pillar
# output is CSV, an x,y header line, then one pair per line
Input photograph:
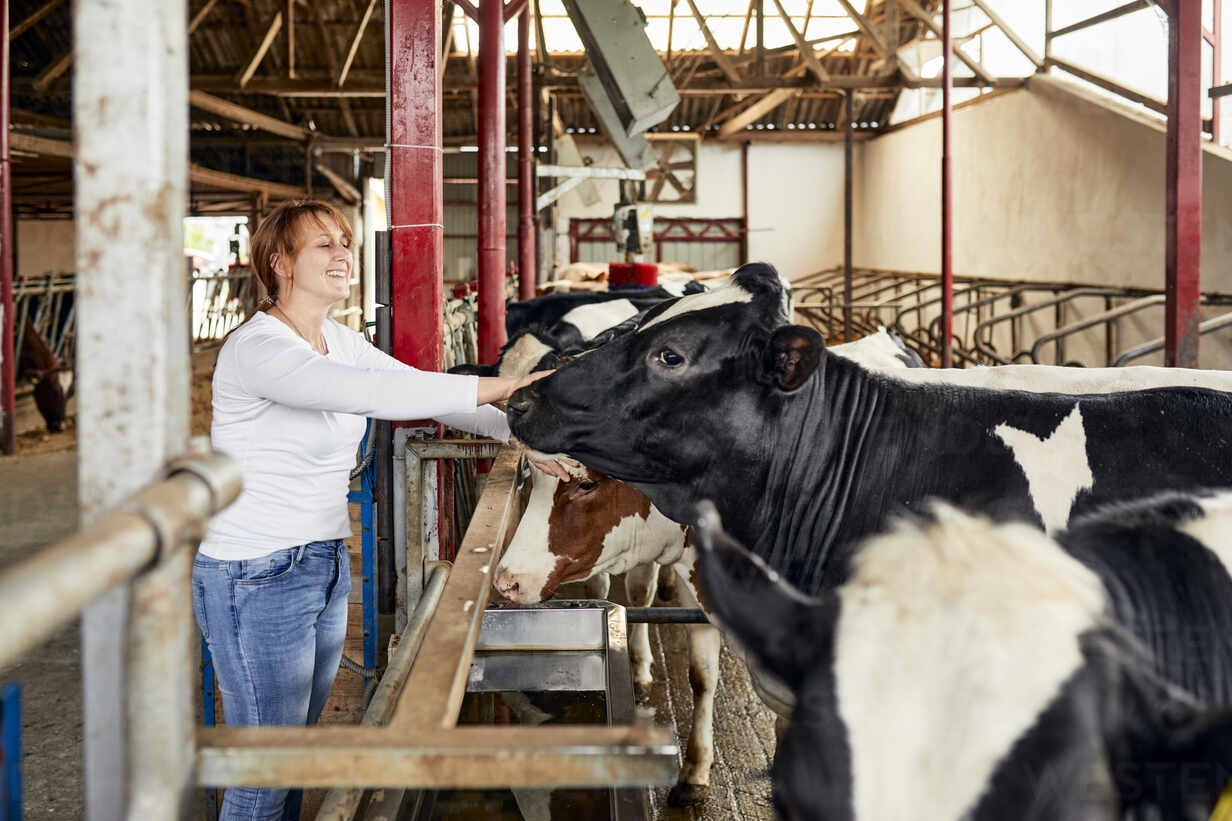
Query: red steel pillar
x,y
416,208
8,368
491,180
947,198
744,205
1183,254
526,172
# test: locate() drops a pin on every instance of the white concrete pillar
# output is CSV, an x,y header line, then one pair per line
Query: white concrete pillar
x,y
130,117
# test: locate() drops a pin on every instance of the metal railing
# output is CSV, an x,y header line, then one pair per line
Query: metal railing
x,y
216,304
219,302
461,331
910,303
52,587
1156,345
48,302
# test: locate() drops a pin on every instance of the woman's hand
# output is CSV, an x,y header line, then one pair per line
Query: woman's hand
x,y
557,466
499,388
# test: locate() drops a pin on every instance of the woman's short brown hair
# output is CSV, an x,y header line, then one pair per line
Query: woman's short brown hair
x,y
277,233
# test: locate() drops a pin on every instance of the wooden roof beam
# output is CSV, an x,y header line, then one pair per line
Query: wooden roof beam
x,y
240,114
513,8
757,110
866,29
52,73
250,68
806,51
341,79
234,182
720,57
348,117
344,188
1101,18
41,146
199,17
44,147
33,18
914,9
1018,42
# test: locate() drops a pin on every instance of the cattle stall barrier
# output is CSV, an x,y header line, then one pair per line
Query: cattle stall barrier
x,y
216,304
717,242
416,743
45,301
996,320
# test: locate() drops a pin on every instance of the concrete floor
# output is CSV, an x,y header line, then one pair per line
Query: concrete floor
x,y
743,734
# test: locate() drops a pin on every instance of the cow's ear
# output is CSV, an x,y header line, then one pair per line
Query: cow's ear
x,y
779,628
792,355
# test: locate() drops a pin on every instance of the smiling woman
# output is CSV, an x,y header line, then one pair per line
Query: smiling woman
x,y
291,390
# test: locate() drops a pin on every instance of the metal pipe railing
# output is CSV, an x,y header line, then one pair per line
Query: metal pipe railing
x,y
982,335
48,590
1106,317
1212,324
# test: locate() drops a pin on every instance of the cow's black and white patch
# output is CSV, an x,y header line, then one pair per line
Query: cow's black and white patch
x,y
1056,467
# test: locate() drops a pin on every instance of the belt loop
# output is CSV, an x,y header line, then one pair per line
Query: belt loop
x,y
299,554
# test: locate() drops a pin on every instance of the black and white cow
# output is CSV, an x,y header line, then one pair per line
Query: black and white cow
x,y
538,347
969,670
716,397
593,525
545,311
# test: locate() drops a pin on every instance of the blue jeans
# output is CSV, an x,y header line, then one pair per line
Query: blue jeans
x,y
275,628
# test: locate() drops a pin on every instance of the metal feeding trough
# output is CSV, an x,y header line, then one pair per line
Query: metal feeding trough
x,y
559,647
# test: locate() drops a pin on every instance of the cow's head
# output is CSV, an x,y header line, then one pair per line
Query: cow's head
x,y
571,531
687,395
52,391
990,734
524,353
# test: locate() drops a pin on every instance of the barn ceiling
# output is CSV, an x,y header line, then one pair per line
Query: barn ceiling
x,y
328,88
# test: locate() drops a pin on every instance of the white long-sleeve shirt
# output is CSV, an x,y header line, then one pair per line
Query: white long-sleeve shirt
x,y
292,419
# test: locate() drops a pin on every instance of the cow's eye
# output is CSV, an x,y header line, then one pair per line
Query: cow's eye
x,y
582,489
669,358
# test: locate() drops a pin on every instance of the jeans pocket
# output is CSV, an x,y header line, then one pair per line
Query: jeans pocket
x,y
199,608
267,569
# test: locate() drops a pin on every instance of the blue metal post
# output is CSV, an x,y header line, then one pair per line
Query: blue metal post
x,y
10,753
207,717
364,498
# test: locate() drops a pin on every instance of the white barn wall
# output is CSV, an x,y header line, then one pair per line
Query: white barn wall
x,y
796,206
795,200
1053,182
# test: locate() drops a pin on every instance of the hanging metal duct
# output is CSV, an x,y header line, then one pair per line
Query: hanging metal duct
x,y
625,63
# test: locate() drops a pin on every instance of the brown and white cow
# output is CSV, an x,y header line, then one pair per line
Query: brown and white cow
x,y
594,526
52,377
